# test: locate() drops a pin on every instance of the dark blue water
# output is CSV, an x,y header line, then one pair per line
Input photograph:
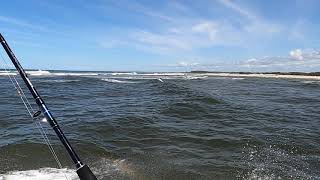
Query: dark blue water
x,y
137,127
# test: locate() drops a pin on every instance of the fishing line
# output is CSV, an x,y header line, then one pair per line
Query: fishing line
x,y
83,170
27,105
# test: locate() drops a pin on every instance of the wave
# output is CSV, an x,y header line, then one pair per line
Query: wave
x,y
257,75
159,79
75,74
6,73
164,74
117,81
150,77
311,82
237,78
43,174
123,73
195,77
61,80
48,73
38,73
273,162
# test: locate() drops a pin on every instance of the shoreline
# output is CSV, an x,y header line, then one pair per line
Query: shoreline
x,y
194,74
260,75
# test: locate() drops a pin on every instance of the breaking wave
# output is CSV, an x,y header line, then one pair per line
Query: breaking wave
x,y
47,73
164,74
123,73
311,82
237,78
38,73
118,81
104,168
75,74
43,174
195,77
61,80
6,73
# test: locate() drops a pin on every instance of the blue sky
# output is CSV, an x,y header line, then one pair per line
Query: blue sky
x,y
173,35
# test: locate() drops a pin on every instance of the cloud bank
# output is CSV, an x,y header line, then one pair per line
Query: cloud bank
x,y
307,60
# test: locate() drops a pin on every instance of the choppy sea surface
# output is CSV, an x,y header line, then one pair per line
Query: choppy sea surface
x,y
165,126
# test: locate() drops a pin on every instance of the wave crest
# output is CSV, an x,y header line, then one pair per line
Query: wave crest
x,y
43,174
118,81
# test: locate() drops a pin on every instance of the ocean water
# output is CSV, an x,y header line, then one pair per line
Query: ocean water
x,y
165,126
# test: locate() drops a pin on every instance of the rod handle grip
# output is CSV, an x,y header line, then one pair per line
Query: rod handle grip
x,y
85,173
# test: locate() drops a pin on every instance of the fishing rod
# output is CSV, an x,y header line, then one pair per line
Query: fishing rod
x,y
83,170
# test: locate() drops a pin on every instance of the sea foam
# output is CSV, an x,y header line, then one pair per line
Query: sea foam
x,y
6,73
117,81
123,73
40,174
38,73
74,74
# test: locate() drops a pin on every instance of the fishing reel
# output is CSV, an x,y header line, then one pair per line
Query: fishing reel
x,y
36,114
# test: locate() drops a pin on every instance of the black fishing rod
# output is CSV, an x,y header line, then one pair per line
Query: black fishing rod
x,y
83,170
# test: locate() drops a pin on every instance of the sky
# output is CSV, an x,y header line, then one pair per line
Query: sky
x,y
168,35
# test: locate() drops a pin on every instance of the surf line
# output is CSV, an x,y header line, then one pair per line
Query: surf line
x,y
83,170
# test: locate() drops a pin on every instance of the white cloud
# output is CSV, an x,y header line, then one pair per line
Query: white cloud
x,y
296,54
21,23
158,15
210,28
310,62
298,60
187,64
237,8
190,34
193,36
256,24
187,36
137,7
201,34
165,41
